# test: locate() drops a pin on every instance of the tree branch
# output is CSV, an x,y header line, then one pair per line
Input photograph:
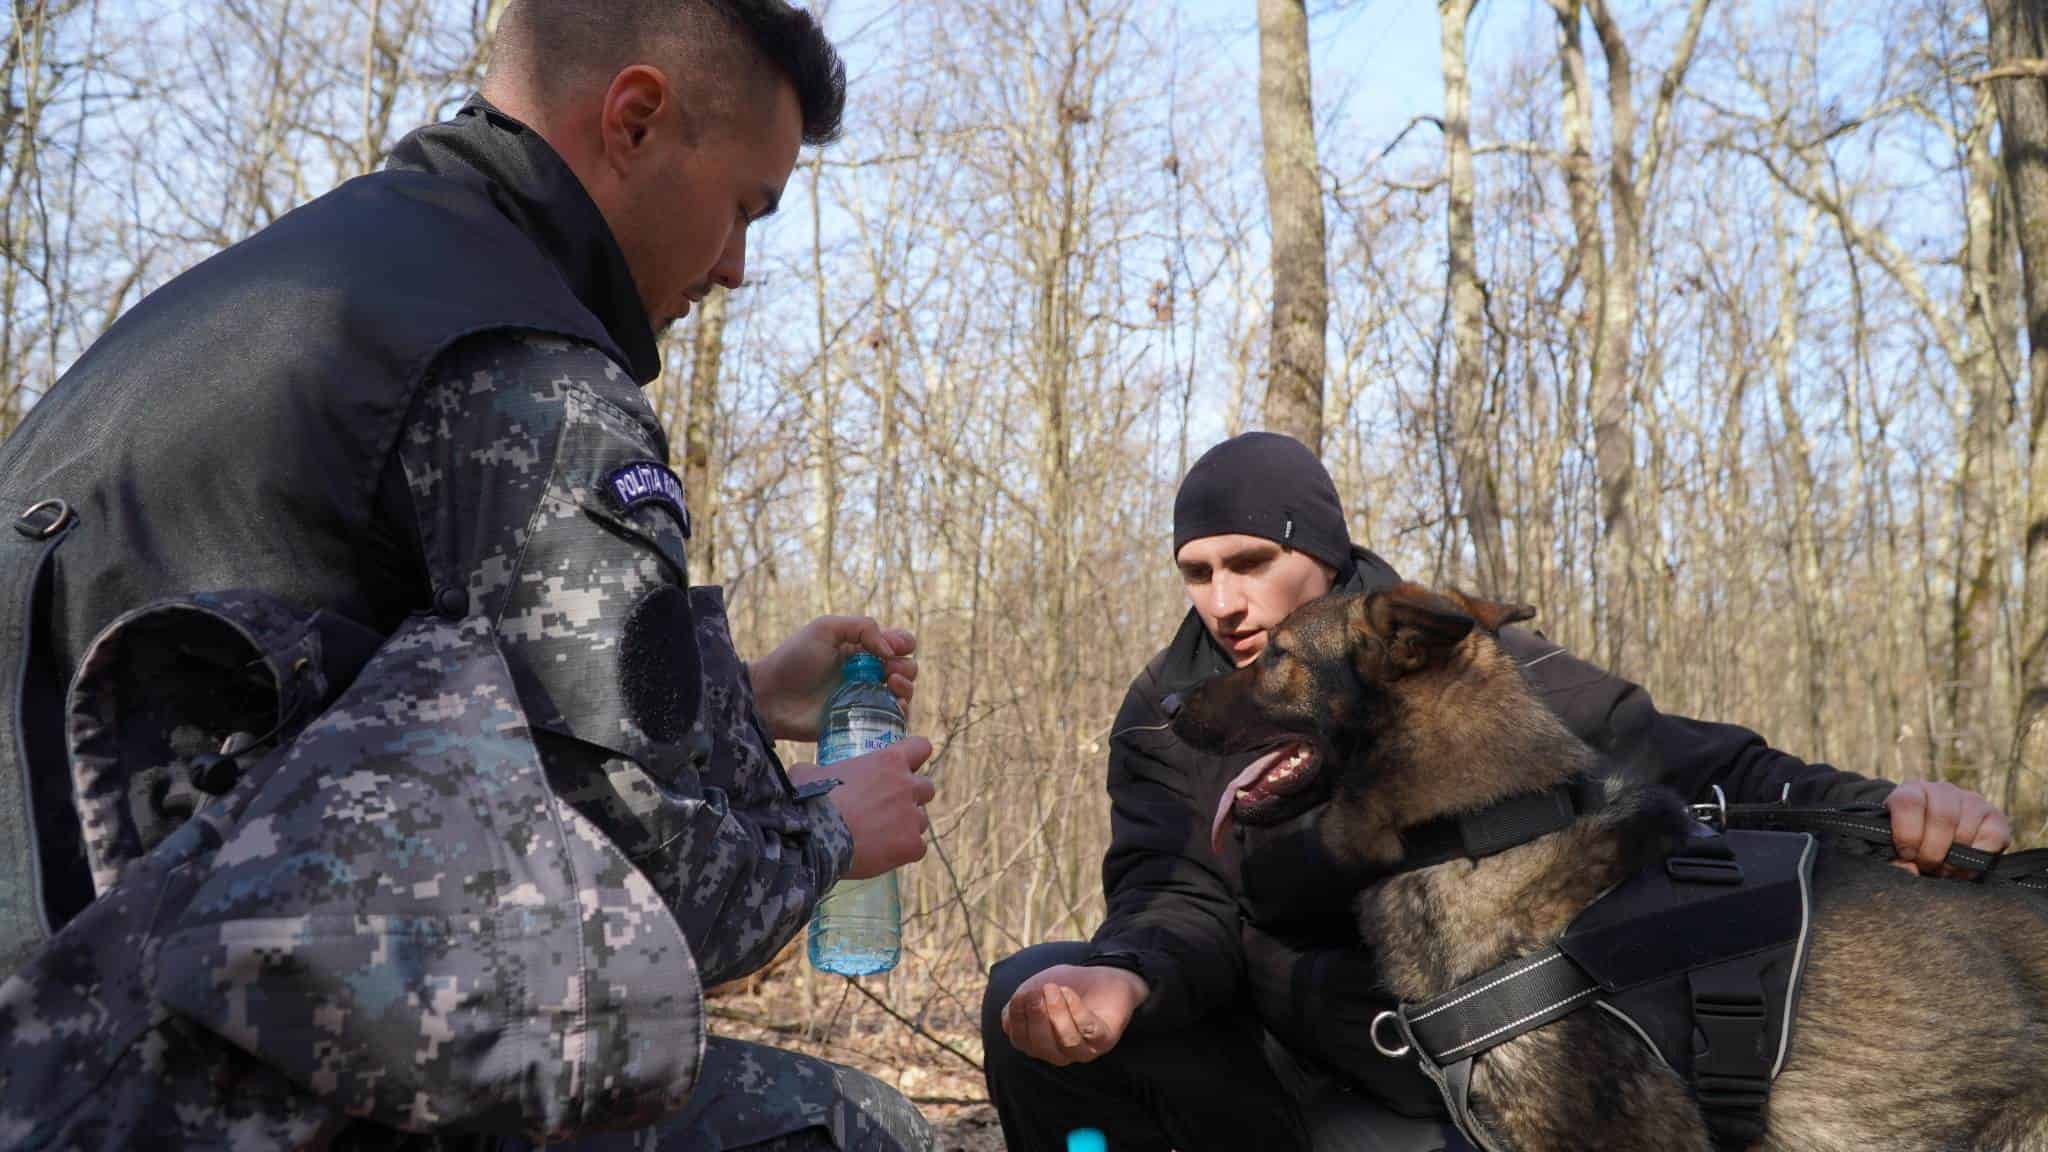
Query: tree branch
x,y
2011,70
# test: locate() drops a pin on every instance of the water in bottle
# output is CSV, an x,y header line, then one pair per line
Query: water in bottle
x,y
857,929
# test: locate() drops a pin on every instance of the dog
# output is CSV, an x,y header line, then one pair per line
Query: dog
x,y
1922,1021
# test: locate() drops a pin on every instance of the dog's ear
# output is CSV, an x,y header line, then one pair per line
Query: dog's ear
x,y
1490,615
1415,626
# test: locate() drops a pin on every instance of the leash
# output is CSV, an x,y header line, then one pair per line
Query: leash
x,y
1871,824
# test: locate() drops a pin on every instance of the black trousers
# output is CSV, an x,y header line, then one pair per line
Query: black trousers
x,y
1225,1087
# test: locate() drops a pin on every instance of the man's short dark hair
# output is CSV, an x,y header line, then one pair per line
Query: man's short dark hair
x,y
551,40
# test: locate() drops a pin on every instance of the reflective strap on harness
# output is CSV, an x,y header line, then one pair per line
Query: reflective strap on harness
x,y
1499,1005
1732,1074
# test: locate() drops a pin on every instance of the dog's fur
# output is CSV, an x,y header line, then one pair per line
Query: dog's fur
x,y
1923,1019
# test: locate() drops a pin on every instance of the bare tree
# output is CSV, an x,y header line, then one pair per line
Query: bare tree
x,y
1294,196
1476,486
2019,36
700,435
1609,269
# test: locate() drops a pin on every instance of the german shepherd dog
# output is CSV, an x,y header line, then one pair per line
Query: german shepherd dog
x,y
1922,1021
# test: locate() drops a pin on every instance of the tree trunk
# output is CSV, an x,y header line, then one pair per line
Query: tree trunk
x,y
1608,275
1612,397
1809,579
1583,188
2019,30
1476,487
819,413
700,433
1294,198
1991,343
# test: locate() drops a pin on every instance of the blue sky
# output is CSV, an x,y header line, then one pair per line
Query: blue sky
x,y
1377,57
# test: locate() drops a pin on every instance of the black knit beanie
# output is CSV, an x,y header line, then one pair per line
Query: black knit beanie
x,y
1266,485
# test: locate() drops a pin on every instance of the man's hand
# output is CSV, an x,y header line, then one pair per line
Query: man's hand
x,y
792,683
881,797
1068,1014
1928,817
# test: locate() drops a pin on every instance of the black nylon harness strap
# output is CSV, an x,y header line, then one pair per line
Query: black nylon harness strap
x,y
1872,823
1732,1075
1498,1005
1500,826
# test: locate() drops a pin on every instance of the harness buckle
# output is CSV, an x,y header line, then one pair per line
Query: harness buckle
x,y
1732,1073
1713,815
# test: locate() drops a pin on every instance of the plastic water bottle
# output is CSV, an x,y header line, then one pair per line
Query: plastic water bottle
x,y
857,929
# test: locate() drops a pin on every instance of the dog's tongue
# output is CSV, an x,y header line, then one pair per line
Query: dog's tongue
x,y
1228,805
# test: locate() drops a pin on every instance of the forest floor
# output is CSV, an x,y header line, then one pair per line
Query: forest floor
x,y
930,1054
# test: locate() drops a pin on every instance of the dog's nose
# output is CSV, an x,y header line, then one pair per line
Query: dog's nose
x,y
1170,705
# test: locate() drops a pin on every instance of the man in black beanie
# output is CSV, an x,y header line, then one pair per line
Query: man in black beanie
x,y
1226,1001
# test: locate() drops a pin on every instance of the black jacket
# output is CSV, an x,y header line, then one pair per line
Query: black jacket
x,y
236,429
1272,922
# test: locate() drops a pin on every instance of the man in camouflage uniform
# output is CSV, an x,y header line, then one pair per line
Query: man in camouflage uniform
x,y
544,571
411,411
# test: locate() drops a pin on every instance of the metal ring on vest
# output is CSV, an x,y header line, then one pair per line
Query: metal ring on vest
x,y
26,522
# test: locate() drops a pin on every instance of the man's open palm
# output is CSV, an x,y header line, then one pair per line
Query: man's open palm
x,y
1068,1014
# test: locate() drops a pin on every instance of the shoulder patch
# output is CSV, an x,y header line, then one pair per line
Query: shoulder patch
x,y
646,482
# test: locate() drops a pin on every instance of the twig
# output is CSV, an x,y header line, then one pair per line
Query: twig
x,y
947,1099
913,1025
960,897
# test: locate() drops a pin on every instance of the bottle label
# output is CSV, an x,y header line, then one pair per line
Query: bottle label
x,y
857,731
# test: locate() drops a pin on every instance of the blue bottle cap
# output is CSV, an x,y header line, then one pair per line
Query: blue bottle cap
x,y
864,668
1087,1140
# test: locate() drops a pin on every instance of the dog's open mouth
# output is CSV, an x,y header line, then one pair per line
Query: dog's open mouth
x,y
1264,793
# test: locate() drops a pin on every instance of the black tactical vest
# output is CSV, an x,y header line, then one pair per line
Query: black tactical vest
x,y
235,428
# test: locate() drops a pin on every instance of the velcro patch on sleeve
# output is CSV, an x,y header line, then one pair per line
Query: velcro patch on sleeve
x,y
646,482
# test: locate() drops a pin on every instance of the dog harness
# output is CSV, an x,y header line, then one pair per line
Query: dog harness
x,y
1700,957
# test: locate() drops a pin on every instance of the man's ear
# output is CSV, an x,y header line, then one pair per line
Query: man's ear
x,y
1490,615
633,102
1416,626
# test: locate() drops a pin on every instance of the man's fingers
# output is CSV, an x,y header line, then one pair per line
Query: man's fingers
x,y
1944,807
914,749
1971,822
902,642
871,638
1063,1027
901,685
1994,835
1908,806
1041,1042
1086,1022
922,790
